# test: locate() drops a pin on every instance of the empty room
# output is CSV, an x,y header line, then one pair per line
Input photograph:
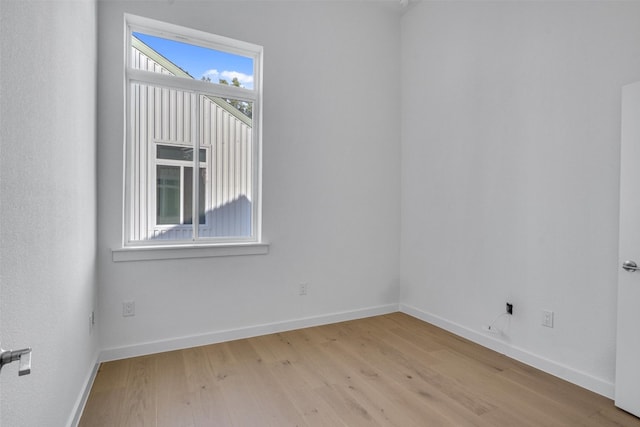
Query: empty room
x,y
409,213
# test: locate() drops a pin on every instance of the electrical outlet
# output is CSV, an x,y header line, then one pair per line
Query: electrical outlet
x,y
547,318
302,290
128,308
509,308
92,321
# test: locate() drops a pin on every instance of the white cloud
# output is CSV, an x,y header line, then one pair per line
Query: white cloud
x,y
245,80
215,75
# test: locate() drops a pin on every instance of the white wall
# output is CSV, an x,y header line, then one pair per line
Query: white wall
x,y
510,169
331,174
47,205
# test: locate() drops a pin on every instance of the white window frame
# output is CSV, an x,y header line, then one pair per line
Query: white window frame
x,y
196,246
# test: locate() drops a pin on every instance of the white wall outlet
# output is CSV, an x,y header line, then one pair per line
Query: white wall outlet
x,y
303,288
547,318
92,321
128,308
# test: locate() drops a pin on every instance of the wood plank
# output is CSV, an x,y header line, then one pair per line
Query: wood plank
x,y
139,406
112,375
101,407
173,396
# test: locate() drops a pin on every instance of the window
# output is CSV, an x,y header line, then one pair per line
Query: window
x,y
174,186
191,92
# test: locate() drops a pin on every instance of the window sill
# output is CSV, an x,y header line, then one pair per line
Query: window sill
x,y
148,253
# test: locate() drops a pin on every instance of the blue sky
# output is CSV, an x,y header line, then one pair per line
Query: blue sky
x,y
203,62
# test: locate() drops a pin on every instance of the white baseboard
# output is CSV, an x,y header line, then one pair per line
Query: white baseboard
x,y
240,333
582,379
84,395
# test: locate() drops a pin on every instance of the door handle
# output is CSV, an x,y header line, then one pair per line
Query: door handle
x,y
630,266
23,356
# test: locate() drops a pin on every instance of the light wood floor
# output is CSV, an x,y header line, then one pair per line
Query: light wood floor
x,y
390,370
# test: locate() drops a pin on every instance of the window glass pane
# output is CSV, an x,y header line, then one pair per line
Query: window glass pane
x,y
172,152
227,129
168,195
244,107
202,195
188,195
186,60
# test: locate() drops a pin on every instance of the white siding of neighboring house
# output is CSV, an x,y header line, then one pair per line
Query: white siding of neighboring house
x,y
164,115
